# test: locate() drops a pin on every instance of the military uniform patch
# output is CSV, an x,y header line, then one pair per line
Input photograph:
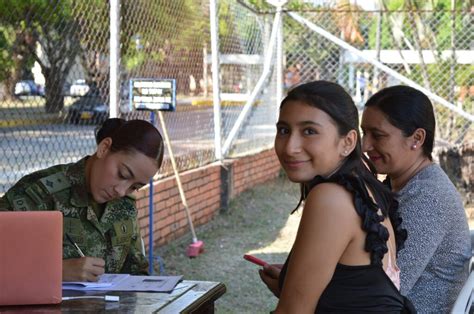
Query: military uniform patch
x,y
37,195
123,232
20,203
55,182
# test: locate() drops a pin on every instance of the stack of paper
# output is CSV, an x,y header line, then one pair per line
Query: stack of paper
x,y
125,282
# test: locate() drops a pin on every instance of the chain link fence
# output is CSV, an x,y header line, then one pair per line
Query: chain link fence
x,y
170,39
417,44
54,71
42,45
244,43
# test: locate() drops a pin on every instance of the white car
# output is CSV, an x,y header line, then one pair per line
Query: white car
x,y
79,88
28,88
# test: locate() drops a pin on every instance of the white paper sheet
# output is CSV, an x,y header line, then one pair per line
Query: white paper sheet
x,y
124,282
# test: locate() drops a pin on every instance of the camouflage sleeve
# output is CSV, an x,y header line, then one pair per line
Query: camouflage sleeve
x,y
5,204
136,262
26,197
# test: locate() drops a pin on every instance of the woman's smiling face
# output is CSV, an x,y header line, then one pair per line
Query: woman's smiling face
x,y
307,142
385,145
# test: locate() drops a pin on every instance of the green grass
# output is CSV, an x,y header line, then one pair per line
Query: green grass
x,y
254,223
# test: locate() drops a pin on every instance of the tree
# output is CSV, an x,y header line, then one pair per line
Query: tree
x,y
155,36
438,31
93,27
11,58
49,36
165,39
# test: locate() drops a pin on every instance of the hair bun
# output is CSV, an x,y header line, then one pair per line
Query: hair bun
x,y
108,128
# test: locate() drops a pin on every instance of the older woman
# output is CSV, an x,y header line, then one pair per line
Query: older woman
x,y
399,125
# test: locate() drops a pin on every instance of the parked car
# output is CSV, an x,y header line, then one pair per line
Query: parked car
x,y
89,109
28,88
79,88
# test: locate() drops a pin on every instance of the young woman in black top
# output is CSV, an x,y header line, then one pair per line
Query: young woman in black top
x,y
345,248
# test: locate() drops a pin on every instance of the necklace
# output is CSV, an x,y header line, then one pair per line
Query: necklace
x,y
398,184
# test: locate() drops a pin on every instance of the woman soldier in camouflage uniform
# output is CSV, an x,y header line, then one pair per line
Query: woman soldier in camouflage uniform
x,y
94,196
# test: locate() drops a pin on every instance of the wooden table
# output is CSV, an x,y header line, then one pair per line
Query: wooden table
x,y
187,297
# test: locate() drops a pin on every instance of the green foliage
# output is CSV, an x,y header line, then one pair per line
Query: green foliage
x,y
34,12
92,19
386,41
21,26
225,18
421,4
393,5
6,60
156,30
434,25
138,58
263,5
237,22
432,30
50,24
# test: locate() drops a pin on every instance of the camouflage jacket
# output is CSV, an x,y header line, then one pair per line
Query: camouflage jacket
x,y
115,237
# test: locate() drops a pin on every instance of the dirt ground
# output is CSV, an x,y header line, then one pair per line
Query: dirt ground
x,y
258,223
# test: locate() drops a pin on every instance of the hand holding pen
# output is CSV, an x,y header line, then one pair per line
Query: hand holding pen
x,y
75,245
84,268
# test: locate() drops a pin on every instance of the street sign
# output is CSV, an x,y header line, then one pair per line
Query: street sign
x,y
153,94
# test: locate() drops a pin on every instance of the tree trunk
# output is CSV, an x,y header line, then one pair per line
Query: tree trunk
x,y
418,47
395,40
53,90
19,58
378,34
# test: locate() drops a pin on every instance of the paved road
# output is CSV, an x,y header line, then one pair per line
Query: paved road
x,y
28,148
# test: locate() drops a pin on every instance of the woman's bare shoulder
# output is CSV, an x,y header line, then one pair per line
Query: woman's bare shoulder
x,y
330,194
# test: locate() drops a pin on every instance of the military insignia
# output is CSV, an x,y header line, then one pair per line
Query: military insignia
x,y
36,194
123,232
55,182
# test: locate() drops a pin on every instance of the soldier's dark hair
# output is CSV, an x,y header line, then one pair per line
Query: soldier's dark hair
x,y
132,135
407,109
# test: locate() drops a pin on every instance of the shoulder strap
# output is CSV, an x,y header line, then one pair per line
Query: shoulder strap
x,y
55,182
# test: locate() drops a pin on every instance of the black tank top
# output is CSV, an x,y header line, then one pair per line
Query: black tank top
x,y
367,288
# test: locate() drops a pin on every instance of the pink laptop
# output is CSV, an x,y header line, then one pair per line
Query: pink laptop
x,y
31,257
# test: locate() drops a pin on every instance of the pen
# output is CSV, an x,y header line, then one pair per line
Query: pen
x,y
75,245
109,298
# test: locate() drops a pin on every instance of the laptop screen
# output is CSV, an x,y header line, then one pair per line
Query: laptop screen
x,y
30,257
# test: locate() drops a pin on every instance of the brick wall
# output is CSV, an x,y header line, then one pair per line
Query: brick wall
x,y
252,170
207,190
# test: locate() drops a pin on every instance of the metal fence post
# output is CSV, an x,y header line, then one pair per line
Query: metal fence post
x,y
279,61
215,78
151,223
114,57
